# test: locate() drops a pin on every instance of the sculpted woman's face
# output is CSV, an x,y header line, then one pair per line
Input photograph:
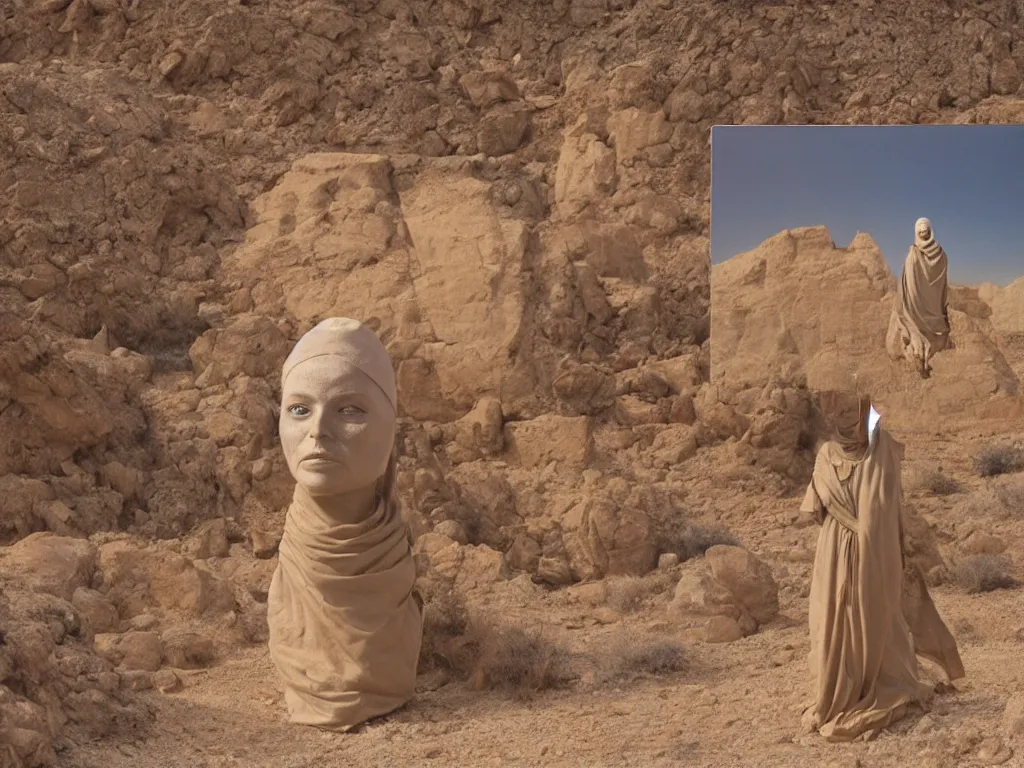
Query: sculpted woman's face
x,y
337,427
923,230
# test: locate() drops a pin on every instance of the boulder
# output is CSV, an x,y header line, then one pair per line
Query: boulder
x,y
608,539
748,580
56,565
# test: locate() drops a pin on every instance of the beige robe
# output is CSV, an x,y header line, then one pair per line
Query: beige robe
x,y
862,649
345,621
919,323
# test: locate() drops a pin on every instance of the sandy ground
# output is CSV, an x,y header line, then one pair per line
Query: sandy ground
x,y
736,705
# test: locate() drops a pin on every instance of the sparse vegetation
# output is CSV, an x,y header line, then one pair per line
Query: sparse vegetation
x,y
939,484
519,661
631,656
999,459
446,624
984,573
627,594
694,540
1011,497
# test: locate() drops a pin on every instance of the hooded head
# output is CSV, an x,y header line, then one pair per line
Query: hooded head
x,y
846,417
338,411
924,238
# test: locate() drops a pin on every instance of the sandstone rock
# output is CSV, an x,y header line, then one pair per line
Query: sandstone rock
x,y
452,529
609,538
993,751
188,650
502,130
137,680
136,578
1007,310
586,170
479,433
248,344
537,442
674,445
487,88
98,612
144,622
763,300
167,681
481,567
590,593
747,578
634,131
265,543
22,497
132,650
555,571
210,540
30,747
467,282
667,561
698,593
631,411
587,388
53,564
682,410
524,554
722,629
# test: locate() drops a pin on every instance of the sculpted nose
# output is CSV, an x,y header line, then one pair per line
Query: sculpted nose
x,y
318,426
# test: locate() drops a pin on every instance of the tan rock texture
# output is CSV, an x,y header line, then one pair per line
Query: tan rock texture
x,y
798,311
515,198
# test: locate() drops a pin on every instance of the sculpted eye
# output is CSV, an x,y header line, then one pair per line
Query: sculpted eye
x,y
298,410
352,410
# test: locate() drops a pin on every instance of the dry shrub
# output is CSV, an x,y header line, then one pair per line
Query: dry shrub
x,y
1011,497
692,540
627,594
446,626
984,573
631,656
938,484
999,459
695,540
518,661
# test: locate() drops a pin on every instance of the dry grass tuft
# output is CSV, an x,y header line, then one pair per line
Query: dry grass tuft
x,y
694,540
628,594
631,656
446,624
517,661
939,484
999,459
984,573
1011,497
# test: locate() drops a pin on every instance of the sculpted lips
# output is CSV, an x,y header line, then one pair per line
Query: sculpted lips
x,y
319,458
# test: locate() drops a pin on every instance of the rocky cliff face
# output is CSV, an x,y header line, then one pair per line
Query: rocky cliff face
x,y
797,311
517,201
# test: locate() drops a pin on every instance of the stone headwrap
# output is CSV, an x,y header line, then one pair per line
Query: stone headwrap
x,y
846,415
927,245
354,343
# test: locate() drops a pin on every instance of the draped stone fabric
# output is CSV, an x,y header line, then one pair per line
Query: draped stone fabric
x,y
345,620
919,323
863,650
345,623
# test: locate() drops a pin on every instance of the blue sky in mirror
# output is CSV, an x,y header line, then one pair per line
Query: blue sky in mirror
x,y
968,179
